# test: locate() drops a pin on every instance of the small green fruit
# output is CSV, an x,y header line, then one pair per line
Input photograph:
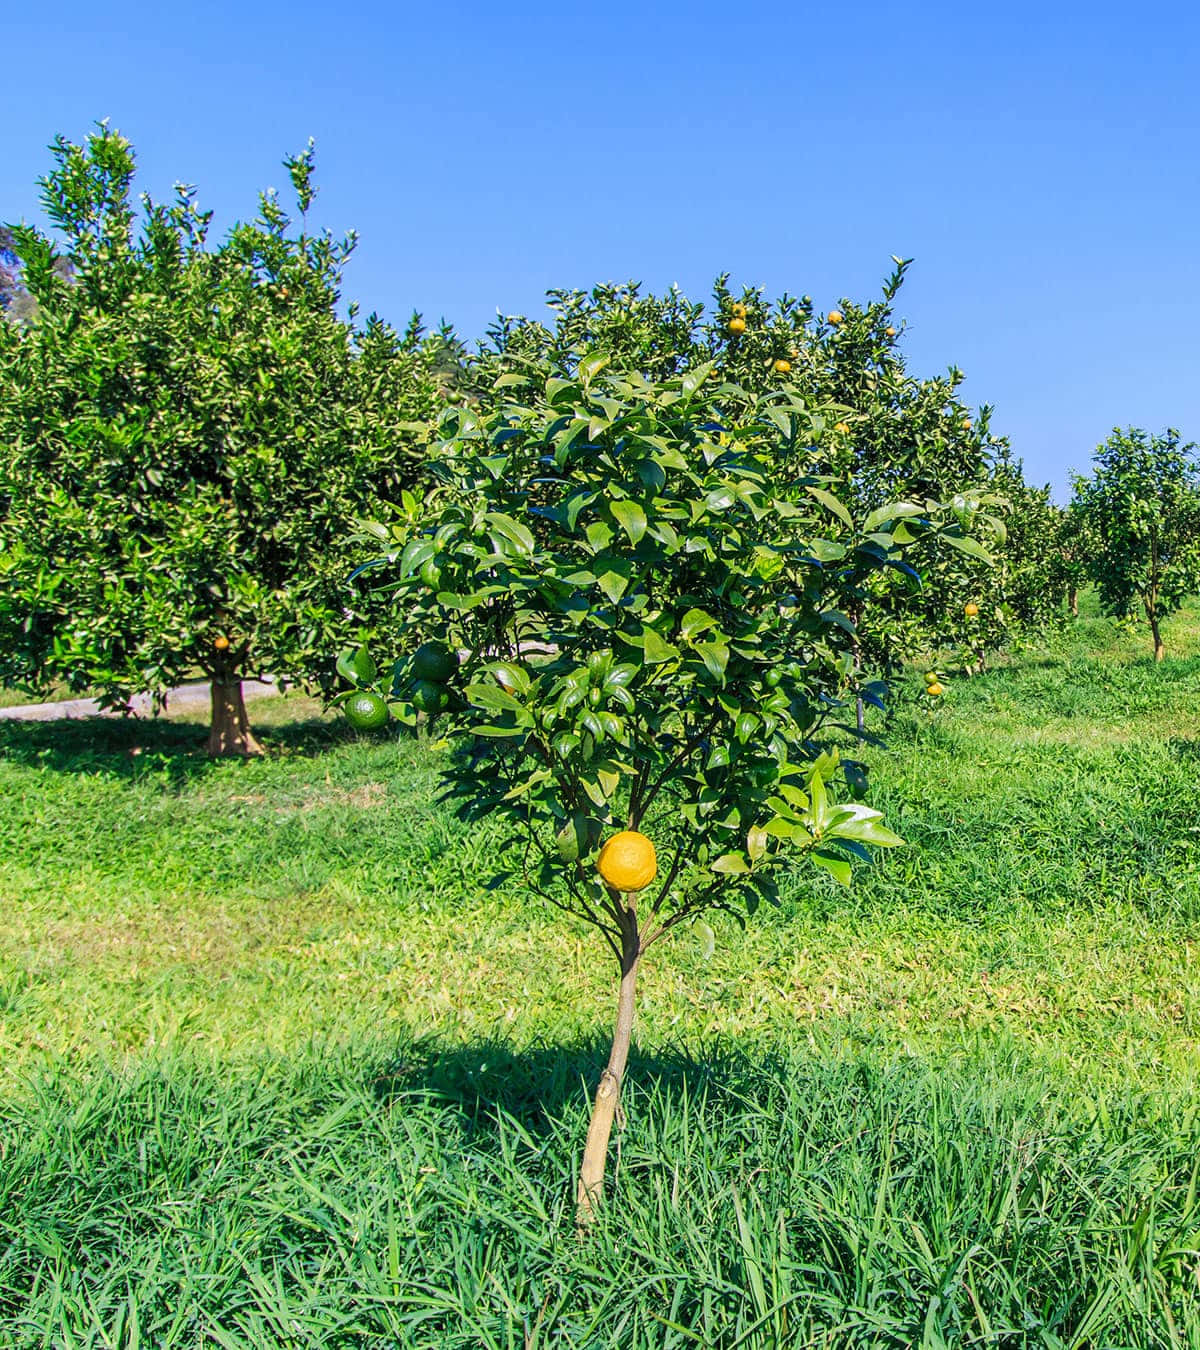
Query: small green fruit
x,y
366,711
428,696
434,662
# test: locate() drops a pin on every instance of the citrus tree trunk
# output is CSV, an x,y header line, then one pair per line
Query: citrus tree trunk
x,y
1073,601
229,732
608,1094
1160,649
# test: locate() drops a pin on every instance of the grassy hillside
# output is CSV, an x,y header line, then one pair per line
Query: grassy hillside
x,y
277,1068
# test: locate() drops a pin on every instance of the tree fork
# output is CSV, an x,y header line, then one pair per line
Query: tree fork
x,y
608,1094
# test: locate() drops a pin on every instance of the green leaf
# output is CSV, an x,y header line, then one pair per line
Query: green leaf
x,y
631,518
892,511
512,530
836,864
656,649
831,503
357,666
969,546
591,365
730,864
695,621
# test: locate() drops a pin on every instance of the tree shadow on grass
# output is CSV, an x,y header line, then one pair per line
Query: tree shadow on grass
x,y
158,747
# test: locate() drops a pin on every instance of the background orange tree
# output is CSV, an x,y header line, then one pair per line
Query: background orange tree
x,y
188,432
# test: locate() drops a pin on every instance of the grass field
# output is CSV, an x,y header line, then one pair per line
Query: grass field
x,y
277,1068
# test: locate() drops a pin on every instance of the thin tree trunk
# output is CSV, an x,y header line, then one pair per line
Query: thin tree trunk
x,y
229,732
1160,649
608,1094
1073,601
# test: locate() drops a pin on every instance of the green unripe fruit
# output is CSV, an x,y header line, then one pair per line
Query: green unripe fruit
x,y
431,574
428,696
366,711
434,662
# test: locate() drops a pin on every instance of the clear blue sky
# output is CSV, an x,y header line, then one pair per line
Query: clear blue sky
x,y
1038,161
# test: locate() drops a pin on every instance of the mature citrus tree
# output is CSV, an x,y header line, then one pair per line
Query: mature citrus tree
x,y
188,433
636,630
1141,506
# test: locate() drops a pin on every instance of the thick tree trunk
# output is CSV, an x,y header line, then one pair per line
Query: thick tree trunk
x,y
608,1094
229,733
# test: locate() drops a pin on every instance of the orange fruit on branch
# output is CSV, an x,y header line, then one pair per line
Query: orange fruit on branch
x,y
971,610
737,324
628,862
738,310
935,689
835,317
782,367
221,643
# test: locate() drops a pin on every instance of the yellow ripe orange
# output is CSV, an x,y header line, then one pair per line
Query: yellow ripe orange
x,y
842,429
971,610
628,862
221,643
890,331
835,317
738,310
782,367
935,689
737,324
714,374
965,424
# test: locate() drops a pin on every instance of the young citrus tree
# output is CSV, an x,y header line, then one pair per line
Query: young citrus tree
x,y
1141,506
188,433
636,631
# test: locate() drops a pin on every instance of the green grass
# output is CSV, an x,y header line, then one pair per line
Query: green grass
x,y
278,1069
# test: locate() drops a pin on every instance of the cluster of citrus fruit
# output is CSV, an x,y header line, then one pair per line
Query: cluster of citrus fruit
x,y
933,686
423,683
432,665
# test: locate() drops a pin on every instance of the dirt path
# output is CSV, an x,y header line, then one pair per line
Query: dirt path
x,y
187,698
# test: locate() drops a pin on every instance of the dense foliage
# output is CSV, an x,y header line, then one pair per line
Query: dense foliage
x,y
188,434
893,437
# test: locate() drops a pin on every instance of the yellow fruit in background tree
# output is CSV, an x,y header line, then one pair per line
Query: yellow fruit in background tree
x,y
835,317
221,643
737,324
935,689
738,310
782,367
971,610
842,429
890,331
628,862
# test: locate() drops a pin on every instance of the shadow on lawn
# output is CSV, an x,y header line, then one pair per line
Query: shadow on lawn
x,y
537,1084
137,747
